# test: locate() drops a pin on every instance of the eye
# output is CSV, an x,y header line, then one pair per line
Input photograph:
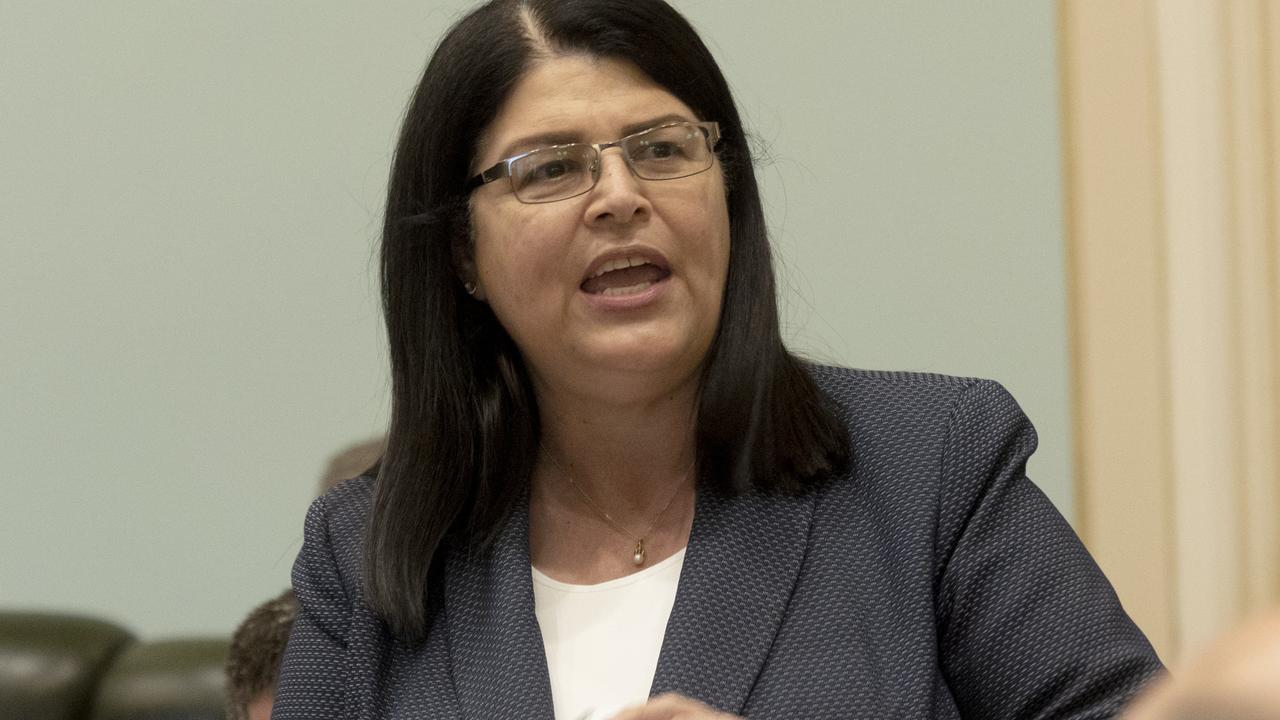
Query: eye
x,y
549,169
658,150
554,169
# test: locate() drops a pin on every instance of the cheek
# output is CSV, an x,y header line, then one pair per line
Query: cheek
x,y
717,226
714,240
496,254
260,708
515,256
485,229
723,245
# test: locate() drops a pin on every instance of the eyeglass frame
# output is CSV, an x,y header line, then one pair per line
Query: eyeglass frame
x,y
502,168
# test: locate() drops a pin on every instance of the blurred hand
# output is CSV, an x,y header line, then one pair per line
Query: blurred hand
x,y
1235,680
672,707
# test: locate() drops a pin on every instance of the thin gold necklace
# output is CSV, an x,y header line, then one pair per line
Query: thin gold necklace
x,y
638,556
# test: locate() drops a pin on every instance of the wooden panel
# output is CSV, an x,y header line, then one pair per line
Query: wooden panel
x,y
1202,359
1115,228
1171,126
1253,38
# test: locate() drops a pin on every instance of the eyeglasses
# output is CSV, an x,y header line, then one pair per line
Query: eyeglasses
x,y
559,172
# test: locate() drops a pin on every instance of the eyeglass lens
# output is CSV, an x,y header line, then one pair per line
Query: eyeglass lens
x,y
663,153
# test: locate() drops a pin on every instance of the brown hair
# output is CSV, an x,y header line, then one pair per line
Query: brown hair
x,y
253,663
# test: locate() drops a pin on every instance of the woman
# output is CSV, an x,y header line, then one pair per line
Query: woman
x,y
606,477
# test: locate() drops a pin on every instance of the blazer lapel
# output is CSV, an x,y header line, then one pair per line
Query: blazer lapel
x,y
495,645
741,565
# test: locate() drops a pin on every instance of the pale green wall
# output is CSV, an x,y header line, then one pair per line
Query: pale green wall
x,y
189,194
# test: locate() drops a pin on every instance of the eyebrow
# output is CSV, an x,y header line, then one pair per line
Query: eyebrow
x,y
532,142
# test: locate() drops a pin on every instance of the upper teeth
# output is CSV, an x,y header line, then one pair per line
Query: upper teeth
x,y
620,264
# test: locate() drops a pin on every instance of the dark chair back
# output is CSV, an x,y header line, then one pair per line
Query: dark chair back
x,y
65,667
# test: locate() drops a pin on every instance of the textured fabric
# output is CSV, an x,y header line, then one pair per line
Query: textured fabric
x,y
602,641
933,580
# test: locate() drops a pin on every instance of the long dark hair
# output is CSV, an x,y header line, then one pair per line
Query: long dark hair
x,y
464,433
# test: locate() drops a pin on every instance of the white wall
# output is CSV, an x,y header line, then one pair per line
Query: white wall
x,y
190,195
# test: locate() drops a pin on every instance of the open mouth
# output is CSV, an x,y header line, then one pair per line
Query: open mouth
x,y
625,276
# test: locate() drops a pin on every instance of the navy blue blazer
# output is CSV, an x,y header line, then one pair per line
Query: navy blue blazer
x,y
932,580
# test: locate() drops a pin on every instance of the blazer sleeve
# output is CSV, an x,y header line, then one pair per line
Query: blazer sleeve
x,y
1028,626
311,673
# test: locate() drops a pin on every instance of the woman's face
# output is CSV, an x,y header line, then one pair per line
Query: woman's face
x,y
538,266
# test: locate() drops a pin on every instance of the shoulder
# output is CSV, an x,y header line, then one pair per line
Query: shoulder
x,y
327,576
924,441
881,406
338,519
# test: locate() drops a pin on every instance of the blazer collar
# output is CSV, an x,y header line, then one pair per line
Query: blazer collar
x,y
495,645
741,565
740,568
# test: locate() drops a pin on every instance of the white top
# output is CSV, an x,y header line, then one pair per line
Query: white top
x,y
602,641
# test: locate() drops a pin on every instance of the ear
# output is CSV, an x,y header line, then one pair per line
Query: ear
x,y
474,289
465,265
469,278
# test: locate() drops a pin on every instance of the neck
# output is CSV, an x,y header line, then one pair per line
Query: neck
x,y
631,453
626,452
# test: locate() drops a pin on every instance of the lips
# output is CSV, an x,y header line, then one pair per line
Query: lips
x,y
625,272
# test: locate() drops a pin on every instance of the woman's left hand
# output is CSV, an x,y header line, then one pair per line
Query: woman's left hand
x,y
671,706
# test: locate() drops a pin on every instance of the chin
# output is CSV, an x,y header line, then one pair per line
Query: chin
x,y
647,356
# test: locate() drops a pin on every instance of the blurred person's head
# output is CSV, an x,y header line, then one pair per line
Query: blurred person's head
x,y
253,663
352,461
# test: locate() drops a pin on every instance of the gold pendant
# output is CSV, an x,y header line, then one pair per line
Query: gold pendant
x,y
638,557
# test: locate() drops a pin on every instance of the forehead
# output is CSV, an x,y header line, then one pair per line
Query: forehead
x,y
576,98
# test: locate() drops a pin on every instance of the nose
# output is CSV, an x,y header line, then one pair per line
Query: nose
x,y
617,197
